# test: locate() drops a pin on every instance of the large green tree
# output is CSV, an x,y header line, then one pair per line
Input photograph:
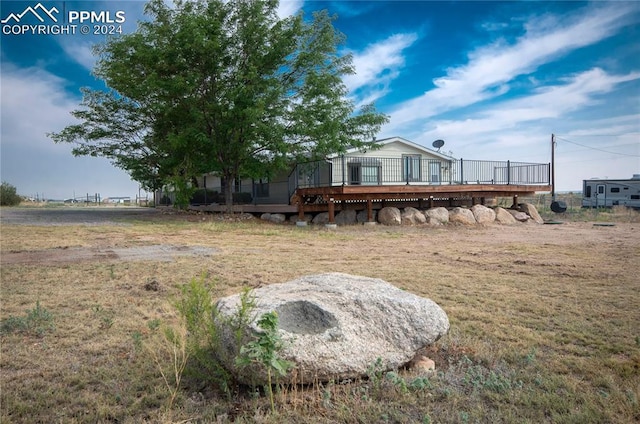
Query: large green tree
x,y
220,86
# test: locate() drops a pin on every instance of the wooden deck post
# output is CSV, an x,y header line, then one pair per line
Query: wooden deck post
x,y
515,202
430,202
332,210
300,211
369,210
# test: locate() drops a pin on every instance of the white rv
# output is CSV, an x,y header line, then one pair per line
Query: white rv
x,y
597,193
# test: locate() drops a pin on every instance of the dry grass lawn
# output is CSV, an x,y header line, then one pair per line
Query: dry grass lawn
x,y
545,321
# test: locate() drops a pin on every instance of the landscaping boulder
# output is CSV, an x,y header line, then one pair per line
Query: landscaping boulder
x,y
390,216
346,217
335,326
362,215
278,218
437,216
519,216
483,214
412,216
321,219
531,210
504,217
462,216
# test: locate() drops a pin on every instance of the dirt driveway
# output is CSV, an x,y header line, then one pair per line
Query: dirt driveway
x,y
74,215
90,216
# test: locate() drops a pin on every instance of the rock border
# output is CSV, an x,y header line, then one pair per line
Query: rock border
x,y
433,217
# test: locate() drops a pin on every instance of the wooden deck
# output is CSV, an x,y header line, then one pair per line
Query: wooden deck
x,y
362,197
329,199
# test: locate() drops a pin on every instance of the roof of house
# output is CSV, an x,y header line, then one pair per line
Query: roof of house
x,y
401,140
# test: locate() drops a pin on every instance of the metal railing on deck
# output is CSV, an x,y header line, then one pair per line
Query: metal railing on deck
x,y
369,170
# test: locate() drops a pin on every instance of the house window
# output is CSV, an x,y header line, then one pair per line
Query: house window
x,y
587,192
370,174
615,189
411,167
262,187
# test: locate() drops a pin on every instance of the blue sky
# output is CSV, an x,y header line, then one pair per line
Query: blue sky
x,y
493,79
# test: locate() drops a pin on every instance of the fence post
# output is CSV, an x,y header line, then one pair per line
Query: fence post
x,y
405,167
508,172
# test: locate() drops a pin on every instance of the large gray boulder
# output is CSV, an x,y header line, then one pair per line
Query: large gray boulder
x,y
346,217
483,214
518,216
390,216
362,215
462,216
321,218
531,210
504,217
335,326
437,216
412,216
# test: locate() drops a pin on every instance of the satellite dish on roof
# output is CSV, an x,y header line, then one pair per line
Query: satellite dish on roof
x,y
438,144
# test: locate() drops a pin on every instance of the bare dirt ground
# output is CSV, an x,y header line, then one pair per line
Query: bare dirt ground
x,y
561,235
544,318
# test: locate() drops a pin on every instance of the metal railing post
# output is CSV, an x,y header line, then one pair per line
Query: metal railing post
x,y
344,170
461,171
508,172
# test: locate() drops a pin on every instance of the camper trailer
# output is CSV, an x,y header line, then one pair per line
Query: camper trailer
x,y
597,193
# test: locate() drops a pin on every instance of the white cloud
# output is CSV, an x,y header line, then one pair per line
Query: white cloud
x,y
79,51
377,66
552,102
289,7
495,65
34,103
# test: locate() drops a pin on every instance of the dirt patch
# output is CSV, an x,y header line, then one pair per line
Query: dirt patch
x,y
72,215
162,253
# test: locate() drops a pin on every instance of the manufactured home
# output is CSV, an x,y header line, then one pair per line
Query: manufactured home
x,y
598,193
396,161
398,170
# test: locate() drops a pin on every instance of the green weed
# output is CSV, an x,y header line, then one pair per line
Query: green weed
x,y
37,322
198,314
265,351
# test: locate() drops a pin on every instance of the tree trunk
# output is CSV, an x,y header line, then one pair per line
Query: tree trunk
x,y
228,193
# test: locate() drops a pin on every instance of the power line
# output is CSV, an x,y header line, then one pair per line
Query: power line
x,y
595,148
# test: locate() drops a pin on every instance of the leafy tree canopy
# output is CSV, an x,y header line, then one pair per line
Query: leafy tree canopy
x,y
219,86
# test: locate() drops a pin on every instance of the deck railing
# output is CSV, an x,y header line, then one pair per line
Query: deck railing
x,y
368,170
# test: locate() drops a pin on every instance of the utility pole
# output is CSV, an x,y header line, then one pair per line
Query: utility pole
x,y
553,168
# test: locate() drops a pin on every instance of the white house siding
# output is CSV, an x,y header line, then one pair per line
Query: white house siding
x,y
393,171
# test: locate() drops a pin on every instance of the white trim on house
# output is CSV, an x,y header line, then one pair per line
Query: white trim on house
x,y
387,141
